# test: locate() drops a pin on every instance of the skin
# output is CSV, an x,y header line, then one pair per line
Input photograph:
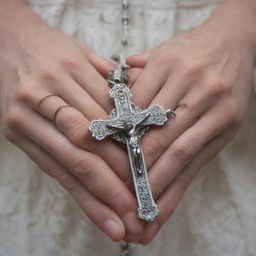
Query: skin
x,y
206,75
33,67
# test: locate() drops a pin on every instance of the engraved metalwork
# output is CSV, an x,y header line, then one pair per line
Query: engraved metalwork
x,y
127,123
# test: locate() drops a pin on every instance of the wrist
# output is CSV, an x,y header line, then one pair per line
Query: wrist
x,y
236,20
16,16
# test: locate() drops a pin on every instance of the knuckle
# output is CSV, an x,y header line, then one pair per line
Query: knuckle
x,y
185,179
66,116
72,60
80,135
193,68
73,124
217,88
26,93
14,118
68,182
151,147
188,106
125,203
182,151
49,74
234,117
80,166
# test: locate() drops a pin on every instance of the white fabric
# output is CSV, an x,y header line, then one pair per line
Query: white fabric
x,y
217,214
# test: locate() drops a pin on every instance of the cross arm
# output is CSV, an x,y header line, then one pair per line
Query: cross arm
x,y
100,129
157,115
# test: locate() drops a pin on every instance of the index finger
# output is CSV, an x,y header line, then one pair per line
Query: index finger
x,y
104,217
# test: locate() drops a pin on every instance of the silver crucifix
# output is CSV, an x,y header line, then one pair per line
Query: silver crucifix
x,y
127,123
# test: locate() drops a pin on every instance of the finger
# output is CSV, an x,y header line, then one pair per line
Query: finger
x,y
181,82
77,68
169,200
152,78
101,215
155,74
91,170
102,65
138,60
185,148
74,125
64,87
190,108
93,102
90,72
93,83
133,74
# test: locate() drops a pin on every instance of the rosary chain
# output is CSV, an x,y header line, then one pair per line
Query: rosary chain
x,y
125,21
125,247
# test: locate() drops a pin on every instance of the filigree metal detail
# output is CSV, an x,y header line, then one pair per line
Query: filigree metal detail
x,y
127,123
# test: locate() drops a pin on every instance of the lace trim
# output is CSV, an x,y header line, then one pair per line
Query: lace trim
x,y
146,4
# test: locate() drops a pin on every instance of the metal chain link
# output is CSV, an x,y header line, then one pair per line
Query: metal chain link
x,y
125,247
125,21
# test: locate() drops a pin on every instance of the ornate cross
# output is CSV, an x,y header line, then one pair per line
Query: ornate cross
x,y
127,123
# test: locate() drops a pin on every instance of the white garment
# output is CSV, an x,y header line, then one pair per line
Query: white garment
x,y
216,215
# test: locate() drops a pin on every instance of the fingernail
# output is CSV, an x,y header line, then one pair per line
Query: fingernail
x,y
112,228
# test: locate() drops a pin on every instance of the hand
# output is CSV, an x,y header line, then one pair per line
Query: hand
x,y
207,76
51,88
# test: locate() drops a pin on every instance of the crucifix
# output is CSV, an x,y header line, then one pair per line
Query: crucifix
x,y
127,123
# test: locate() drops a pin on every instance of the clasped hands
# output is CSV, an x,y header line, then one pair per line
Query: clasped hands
x,y
207,77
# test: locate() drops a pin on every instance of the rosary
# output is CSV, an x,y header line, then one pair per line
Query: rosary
x,y
127,124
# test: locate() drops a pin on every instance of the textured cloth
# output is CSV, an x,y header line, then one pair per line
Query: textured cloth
x,y
216,215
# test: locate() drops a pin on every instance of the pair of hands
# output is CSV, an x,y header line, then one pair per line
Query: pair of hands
x,y
207,76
